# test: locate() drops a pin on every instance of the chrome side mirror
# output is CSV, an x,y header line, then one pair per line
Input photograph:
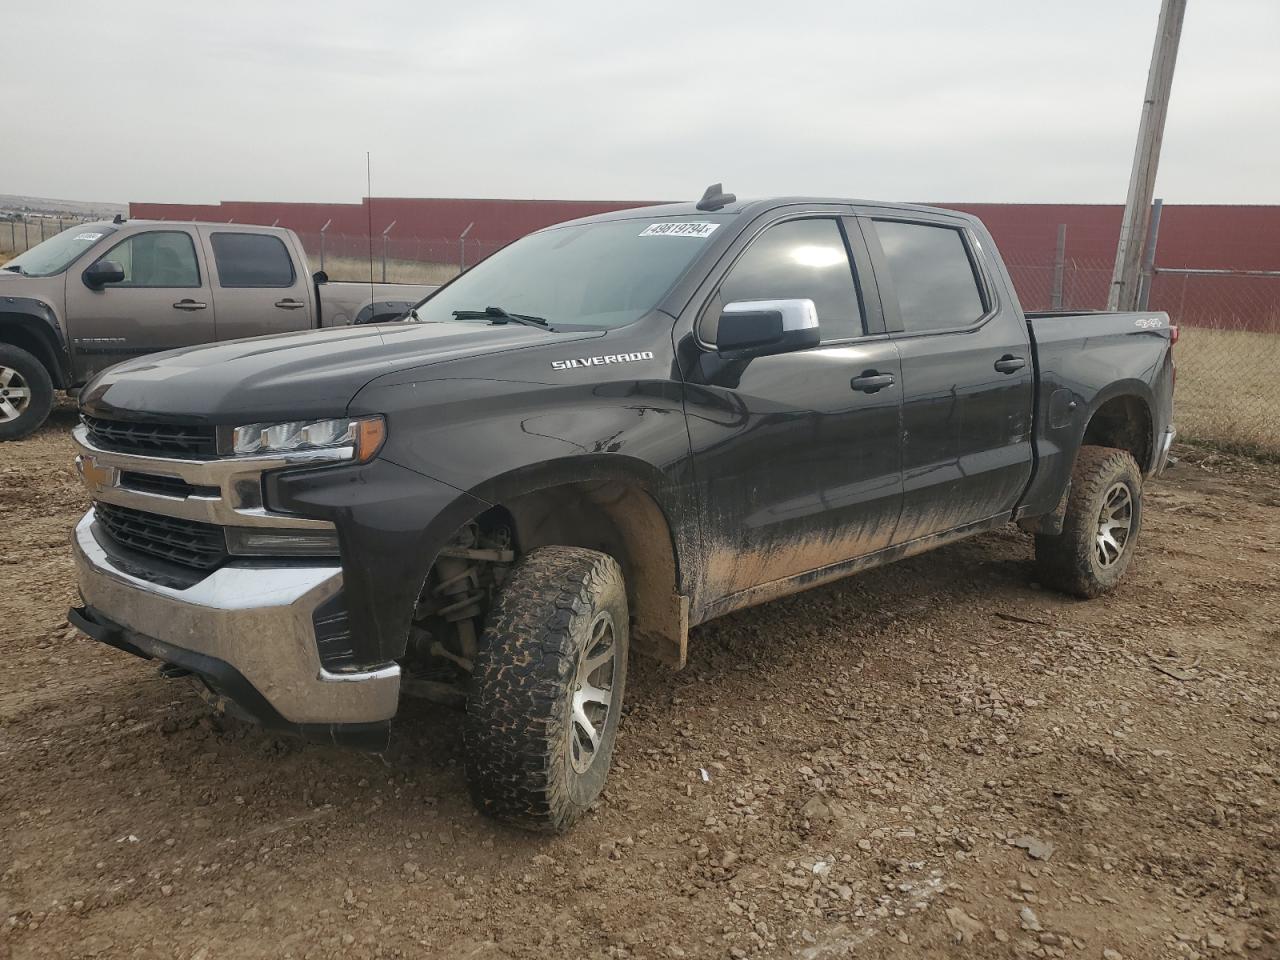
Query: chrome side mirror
x,y
758,328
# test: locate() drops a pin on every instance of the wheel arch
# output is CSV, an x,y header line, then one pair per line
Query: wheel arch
x,y
37,335
1122,418
610,504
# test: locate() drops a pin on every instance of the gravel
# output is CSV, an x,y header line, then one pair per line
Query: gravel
x,y
930,758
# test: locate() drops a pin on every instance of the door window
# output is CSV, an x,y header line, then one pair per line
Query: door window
x,y
799,259
252,260
932,274
158,258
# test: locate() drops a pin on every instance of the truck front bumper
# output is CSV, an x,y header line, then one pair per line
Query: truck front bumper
x,y
248,632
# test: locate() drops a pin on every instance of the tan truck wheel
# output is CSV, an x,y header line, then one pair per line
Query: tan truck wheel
x,y
26,393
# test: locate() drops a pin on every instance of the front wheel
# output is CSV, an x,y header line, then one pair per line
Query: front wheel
x,y
1100,530
26,393
546,691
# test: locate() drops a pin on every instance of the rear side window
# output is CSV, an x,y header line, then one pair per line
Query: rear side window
x,y
799,259
930,270
252,260
160,258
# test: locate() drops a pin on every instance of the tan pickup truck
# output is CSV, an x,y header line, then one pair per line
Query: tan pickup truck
x,y
100,293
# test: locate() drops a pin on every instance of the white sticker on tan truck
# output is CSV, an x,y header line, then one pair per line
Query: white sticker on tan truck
x,y
88,236
680,228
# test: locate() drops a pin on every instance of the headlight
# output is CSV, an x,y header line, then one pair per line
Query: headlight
x,y
364,436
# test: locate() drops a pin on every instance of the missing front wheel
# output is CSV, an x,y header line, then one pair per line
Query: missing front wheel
x,y
450,612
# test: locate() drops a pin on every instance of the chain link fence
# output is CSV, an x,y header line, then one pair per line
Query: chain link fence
x,y
19,233
1228,352
393,259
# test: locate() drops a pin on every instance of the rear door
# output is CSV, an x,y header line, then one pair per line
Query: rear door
x,y
967,373
256,284
797,468
164,301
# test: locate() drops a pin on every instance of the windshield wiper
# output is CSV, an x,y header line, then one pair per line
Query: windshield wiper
x,y
15,268
498,315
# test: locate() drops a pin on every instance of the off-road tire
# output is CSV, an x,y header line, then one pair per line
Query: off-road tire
x,y
519,718
36,378
1069,562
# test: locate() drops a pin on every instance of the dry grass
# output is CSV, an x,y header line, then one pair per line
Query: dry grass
x,y
1229,389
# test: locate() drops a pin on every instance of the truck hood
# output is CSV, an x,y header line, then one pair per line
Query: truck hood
x,y
289,376
14,284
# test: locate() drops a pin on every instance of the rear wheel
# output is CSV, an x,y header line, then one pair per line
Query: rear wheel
x,y
1100,530
26,393
546,692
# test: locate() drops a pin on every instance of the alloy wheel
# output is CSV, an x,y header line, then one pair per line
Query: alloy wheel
x,y
592,693
1115,524
15,394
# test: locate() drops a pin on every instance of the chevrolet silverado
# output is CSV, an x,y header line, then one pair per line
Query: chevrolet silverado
x,y
611,431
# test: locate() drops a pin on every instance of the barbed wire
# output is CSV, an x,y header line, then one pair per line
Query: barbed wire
x,y
1228,355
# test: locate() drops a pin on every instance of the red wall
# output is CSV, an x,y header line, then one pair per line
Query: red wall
x,y
1209,236
1204,236
496,221
1214,236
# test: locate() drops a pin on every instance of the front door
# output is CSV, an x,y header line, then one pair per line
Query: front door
x,y
797,465
255,283
163,302
967,375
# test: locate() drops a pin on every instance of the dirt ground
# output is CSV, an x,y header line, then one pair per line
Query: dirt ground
x,y
933,759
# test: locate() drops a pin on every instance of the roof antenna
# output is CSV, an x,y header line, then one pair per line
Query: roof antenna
x,y
368,186
715,198
118,218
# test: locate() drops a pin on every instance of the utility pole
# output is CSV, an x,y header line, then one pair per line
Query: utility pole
x,y
1146,158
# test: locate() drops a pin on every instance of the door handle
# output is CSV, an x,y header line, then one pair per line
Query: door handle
x,y
290,304
189,304
872,382
1010,364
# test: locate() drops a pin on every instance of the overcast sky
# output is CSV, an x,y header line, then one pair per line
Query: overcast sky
x,y
1000,100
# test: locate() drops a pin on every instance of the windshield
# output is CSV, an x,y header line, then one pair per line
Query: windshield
x,y
589,275
57,253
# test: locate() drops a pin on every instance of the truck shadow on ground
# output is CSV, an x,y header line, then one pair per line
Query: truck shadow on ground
x,y
422,772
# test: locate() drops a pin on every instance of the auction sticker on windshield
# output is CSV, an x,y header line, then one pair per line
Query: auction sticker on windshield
x,y
679,228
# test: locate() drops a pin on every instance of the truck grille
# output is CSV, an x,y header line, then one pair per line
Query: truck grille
x,y
165,486
190,543
151,439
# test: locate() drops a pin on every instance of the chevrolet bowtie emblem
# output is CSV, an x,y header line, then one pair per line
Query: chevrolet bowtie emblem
x,y
94,474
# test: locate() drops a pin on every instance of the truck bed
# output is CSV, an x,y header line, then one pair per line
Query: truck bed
x,y
1083,360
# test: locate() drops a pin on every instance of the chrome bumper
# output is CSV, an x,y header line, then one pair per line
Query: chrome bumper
x,y
1162,453
257,620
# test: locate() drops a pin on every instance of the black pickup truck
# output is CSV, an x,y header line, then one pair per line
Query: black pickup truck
x,y
610,431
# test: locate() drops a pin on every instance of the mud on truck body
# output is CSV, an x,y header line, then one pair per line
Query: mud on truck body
x,y
605,434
